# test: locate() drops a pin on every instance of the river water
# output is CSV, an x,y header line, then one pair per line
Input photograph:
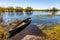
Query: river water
x,y
37,17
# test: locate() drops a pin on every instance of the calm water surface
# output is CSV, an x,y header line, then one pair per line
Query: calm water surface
x,y
36,17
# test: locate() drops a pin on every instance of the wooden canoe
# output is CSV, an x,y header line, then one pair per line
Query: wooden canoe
x,y
19,27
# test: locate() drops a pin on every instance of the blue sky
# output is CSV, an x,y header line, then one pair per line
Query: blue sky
x,y
36,4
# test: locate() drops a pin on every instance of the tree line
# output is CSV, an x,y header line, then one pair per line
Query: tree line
x,y
27,9
17,9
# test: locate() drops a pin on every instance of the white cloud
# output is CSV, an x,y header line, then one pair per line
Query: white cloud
x,y
6,4
1,3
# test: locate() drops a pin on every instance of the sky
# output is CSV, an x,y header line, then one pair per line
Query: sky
x,y
35,4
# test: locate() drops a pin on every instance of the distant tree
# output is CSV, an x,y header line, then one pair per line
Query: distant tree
x,y
54,10
28,9
2,9
19,9
10,9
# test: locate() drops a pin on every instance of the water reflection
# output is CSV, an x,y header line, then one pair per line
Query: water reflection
x,y
11,13
37,17
53,13
28,13
19,13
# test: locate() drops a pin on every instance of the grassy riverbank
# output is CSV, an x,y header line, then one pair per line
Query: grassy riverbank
x,y
4,27
53,33
3,33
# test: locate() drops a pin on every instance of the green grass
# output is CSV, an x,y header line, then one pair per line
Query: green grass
x,y
3,33
53,33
